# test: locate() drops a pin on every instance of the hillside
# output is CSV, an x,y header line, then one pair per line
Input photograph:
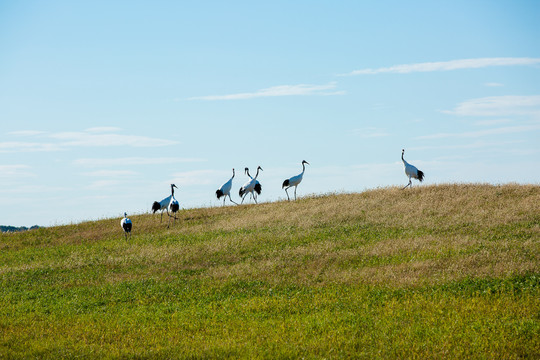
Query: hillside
x,y
430,272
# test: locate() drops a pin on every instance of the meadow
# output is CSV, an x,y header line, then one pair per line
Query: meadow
x,y
442,271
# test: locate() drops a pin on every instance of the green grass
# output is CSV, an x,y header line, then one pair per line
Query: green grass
x,y
448,271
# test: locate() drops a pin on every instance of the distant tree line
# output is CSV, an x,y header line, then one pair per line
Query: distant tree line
x,y
4,228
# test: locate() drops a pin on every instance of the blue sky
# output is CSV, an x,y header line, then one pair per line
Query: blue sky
x,y
103,104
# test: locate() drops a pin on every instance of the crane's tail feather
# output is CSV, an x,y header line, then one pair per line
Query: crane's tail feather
x,y
175,207
219,193
127,226
285,184
241,192
155,207
420,175
258,188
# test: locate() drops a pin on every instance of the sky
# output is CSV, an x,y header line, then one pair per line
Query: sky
x,y
103,104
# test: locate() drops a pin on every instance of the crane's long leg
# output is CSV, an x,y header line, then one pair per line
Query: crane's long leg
x,y
295,193
288,198
231,200
409,184
255,198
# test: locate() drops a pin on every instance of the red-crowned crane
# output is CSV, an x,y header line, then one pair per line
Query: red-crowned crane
x,y
251,186
225,190
411,171
174,206
258,187
163,204
126,225
294,181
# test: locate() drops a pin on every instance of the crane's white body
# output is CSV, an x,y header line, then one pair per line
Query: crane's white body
x,y
257,188
252,186
126,225
294,181
411,171
225,190
169,203
174,206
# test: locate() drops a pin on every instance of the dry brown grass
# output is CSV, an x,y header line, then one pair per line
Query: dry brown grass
x,y
389,236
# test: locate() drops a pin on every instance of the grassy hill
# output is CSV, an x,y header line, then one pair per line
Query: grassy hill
x,y
443,271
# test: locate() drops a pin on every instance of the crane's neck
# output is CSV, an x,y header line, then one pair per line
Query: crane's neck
x,y
257,174
172,190
303,167
402,159
232,174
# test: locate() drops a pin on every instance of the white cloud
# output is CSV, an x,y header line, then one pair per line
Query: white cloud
x,y
283,90
104,184
197,177
100,140
110,173
103,129
93,137
19,146
26,133
370,132
492,122
475,134
477,144
448,65
129,161
498,106
15,171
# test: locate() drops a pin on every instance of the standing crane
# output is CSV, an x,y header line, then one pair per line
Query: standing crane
x,y
250,186
225,190
126,225
174,206
294,181
163,204
258,187
411,171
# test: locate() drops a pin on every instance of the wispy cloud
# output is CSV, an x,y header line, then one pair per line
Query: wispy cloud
x,y
110,173
283,90
26,133
480,133
492,122
93,137
69,139
370,132
103,129
476,144
129,161
7,171
197,177
22,146
448,65
498,106
493,84
104,184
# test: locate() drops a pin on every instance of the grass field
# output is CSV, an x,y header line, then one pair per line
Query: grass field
x,y
446,271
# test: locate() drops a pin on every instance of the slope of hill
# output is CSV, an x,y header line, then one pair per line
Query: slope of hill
x,y
430,272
